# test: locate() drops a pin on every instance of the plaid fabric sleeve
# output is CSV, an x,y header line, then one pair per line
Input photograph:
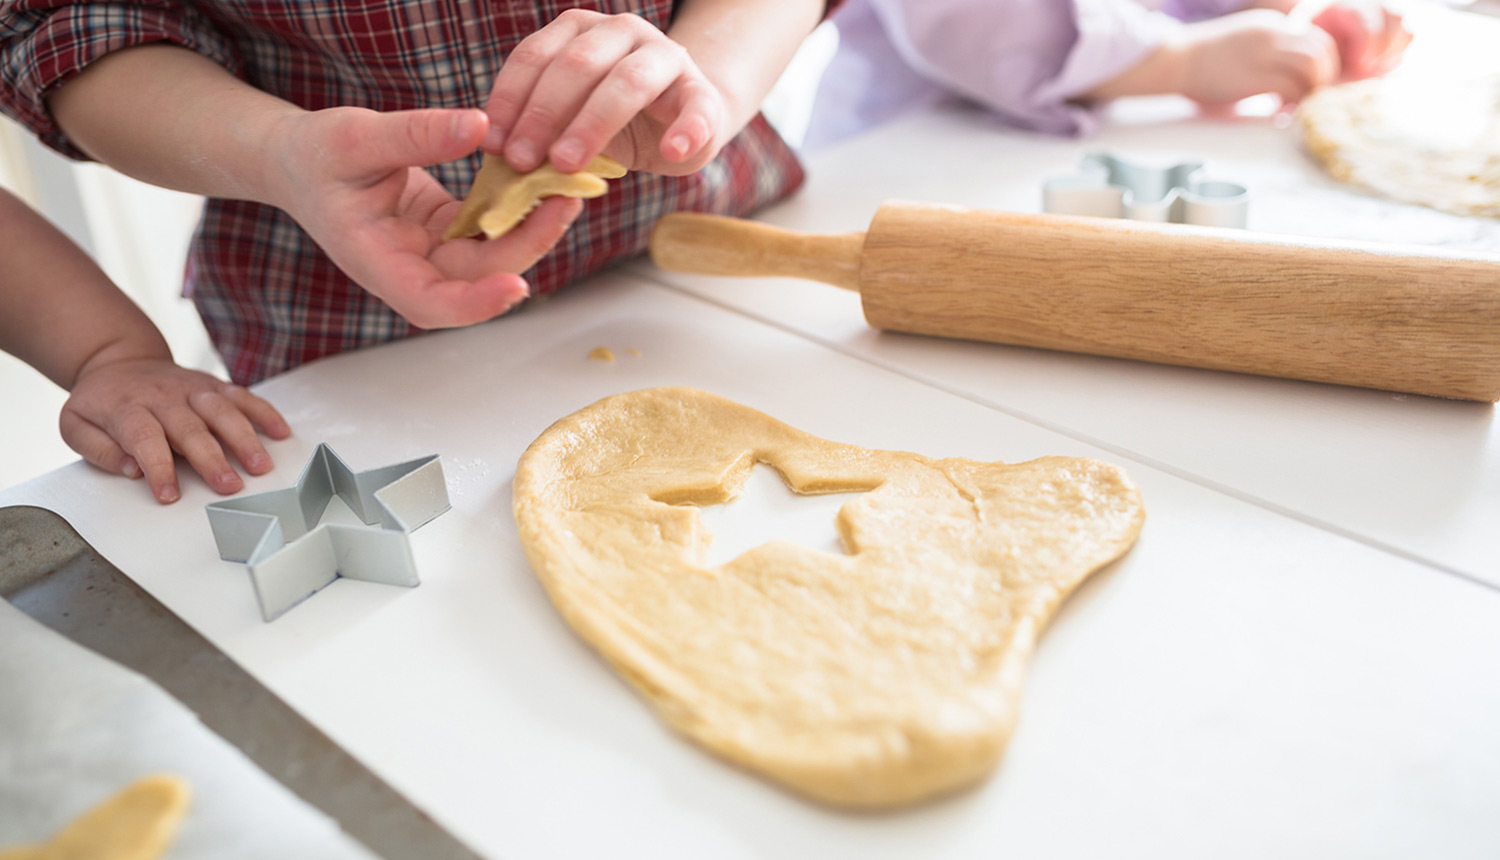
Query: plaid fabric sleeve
x,y
44,43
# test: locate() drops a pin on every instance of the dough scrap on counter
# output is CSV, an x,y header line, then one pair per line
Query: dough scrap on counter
x,y
872,679
500,197
136,823
1434,143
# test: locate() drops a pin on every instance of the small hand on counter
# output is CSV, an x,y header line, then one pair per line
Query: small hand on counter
x,y
131,406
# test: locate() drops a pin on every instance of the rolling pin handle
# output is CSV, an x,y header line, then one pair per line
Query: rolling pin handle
x,y
714,245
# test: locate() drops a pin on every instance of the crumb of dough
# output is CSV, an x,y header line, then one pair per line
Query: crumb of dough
x,y
875,679
633,351
501,198
601,353
136,823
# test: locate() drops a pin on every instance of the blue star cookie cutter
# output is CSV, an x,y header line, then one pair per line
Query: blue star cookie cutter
x,y
292,556
1108,186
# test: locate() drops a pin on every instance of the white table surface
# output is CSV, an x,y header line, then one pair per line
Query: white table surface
x,y
1413,475
1296,660
1242,684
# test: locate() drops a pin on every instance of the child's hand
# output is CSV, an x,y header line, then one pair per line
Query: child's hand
x,y
1252,52
128,416
1371,38
353,179
589,83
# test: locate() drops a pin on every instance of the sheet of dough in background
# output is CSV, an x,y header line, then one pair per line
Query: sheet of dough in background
x,y
1428,133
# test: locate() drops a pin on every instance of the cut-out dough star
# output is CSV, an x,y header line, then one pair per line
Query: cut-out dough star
x,y
501,198
137,823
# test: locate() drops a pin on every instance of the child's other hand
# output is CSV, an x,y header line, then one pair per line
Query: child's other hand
x,y
1371,38
128,416
353,179
588,83
1253,52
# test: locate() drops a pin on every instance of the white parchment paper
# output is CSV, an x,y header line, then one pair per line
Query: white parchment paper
x,y
76,727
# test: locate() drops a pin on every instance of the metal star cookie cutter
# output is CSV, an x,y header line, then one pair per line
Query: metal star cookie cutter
x,y
292,556
1107,186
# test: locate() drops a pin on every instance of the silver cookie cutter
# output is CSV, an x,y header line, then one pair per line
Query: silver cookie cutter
x,y
1107,186
292,556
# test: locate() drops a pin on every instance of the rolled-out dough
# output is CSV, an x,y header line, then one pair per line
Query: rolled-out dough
x,y
875,678
500,197
1430,141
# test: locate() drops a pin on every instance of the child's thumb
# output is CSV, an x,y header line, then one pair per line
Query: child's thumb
x,y
417,138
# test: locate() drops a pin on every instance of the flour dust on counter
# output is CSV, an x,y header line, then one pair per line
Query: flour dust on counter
x,y
875,678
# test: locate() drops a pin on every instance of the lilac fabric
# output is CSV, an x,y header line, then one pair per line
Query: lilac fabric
x,y
1025,60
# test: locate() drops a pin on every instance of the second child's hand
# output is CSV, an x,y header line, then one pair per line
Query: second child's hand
x,y
128,415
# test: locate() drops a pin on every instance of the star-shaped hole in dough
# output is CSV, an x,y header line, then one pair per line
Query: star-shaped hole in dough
x,y
501,198
766,509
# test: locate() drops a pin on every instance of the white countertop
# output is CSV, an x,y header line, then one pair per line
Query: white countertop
x,y
1296,660
1240,672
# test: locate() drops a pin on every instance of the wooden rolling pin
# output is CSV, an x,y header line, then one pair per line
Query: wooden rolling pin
x,y
1401,319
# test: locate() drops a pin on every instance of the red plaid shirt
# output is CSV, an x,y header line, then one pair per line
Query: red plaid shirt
x,y
268,295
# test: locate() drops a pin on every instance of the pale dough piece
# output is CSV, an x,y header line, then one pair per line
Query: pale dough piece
x,y
601,353
500,197
137,823
873,679
1416,140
